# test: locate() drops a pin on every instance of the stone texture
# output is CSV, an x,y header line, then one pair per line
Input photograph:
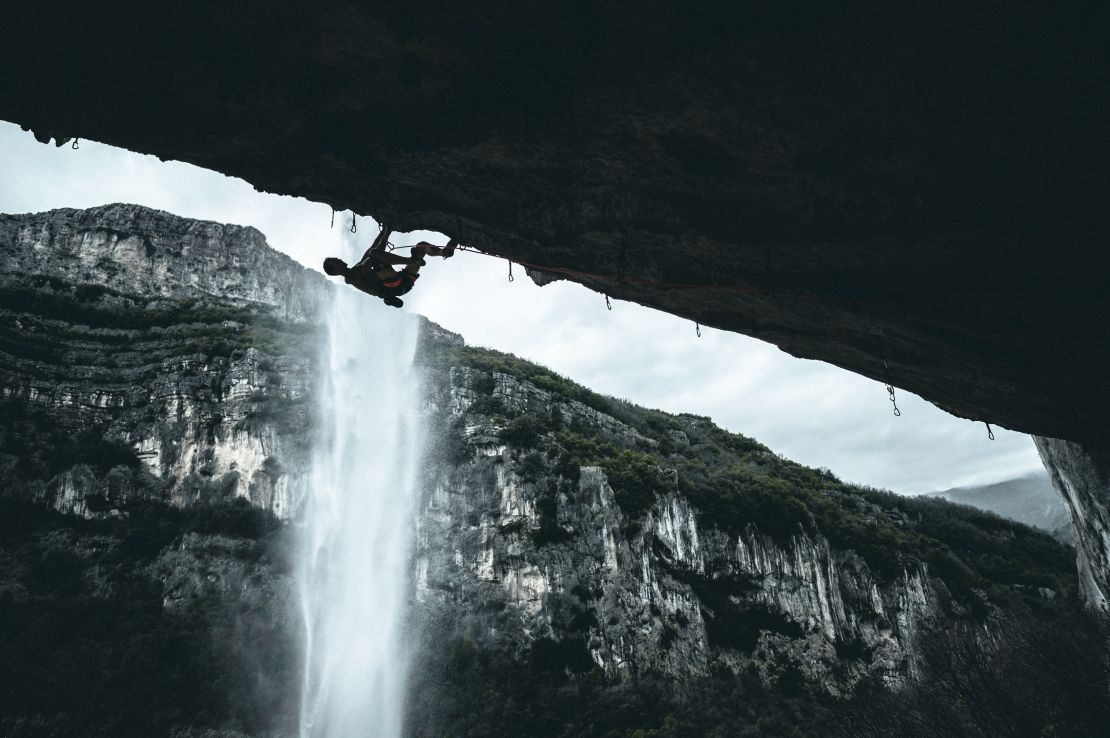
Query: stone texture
x,y
1082,476
511,552
190,342
140,251
912,182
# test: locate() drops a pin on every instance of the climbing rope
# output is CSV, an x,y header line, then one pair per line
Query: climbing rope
x,y
990,433
634,281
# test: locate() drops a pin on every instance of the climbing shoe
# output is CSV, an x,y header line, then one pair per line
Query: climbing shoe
x,y
393,301
417,255
449,249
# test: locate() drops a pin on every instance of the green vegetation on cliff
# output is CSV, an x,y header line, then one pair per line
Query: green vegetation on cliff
x,y
90,647
734,482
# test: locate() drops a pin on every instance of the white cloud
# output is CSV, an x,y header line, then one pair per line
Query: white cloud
x,y
807,410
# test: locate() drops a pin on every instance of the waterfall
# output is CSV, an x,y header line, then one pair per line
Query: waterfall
x,y
357,530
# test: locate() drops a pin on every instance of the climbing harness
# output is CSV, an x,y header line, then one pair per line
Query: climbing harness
x,y
890,388
608,304
697,327
990,433
511,279
354,223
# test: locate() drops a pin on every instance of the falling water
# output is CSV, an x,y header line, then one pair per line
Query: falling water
x,y
354,558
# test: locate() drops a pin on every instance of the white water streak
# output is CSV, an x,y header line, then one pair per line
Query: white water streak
x,y
357,536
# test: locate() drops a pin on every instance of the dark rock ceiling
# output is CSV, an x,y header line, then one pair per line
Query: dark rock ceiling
x,y
920,182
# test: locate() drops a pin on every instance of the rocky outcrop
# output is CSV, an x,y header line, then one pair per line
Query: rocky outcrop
x,y
895,190
563,538
1082,476
868,184
138,251
669,600
521,549
188,345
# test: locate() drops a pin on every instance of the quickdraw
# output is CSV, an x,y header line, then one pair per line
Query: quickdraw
x,y
890,388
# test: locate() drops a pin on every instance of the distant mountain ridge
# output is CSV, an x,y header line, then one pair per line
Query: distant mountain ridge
x,y
1028,499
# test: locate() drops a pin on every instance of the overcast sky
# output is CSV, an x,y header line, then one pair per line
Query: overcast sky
x,y
808,411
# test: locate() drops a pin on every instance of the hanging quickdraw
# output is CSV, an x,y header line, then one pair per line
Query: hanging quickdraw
x,y
75,144
697,327
990,433
354,223
890,389
608,304
893,401
510,271
332,218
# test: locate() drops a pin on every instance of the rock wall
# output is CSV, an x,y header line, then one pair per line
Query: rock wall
x,y
516,547
568,538
869,184
1082,476
139,251
539,580
189,343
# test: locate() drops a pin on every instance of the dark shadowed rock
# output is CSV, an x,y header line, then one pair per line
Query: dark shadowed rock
x,y
920,184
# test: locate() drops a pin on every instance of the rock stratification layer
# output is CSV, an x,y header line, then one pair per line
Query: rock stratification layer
x,y
151,356
583,566
912,191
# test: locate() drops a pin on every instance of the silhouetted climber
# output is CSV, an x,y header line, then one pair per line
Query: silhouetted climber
x,y
374,273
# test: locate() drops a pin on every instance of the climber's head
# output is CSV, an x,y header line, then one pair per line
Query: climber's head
x,y
334,267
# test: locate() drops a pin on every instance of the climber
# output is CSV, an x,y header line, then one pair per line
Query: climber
x,y
374,273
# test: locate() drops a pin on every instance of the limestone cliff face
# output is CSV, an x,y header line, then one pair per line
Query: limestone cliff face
x,y
517,546
1082,476
155,381
879,186
562,535
672,599
189,343
139,251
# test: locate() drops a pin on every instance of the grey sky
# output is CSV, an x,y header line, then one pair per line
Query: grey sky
x,y
809,411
